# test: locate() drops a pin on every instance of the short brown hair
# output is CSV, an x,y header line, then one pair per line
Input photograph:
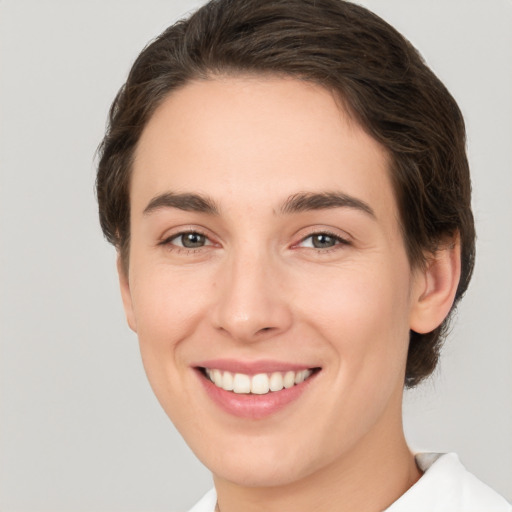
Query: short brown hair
x,y
381,80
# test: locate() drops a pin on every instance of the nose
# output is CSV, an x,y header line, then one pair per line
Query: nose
x,y
251,304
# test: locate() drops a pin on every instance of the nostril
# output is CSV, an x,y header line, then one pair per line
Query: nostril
x,y
264,329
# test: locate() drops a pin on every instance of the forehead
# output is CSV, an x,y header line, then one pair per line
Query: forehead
x,y
257,139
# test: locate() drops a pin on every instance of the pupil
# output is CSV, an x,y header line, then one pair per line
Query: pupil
x,y
322,241
192,240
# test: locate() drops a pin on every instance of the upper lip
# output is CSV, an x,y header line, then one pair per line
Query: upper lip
x,y
252,367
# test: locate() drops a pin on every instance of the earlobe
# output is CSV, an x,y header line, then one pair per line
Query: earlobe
x,y
435,287
126,296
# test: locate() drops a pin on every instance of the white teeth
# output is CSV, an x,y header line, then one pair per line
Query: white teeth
x,y
217,378
276,382
289,379
227,381
302,376
259,384
241,383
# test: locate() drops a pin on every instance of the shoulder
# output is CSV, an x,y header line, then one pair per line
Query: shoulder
x,y
447,486
206,503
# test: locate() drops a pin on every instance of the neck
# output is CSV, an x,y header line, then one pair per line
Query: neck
x,y
369,478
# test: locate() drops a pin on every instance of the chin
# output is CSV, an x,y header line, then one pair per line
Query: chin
x,y
259,473
262,465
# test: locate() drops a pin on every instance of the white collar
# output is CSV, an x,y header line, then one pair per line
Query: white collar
x,y
446,486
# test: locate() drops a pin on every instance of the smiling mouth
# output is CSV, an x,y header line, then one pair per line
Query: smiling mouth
x,y
259,384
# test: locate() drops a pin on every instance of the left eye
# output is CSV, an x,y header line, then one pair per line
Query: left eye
x,y
321,241
190,240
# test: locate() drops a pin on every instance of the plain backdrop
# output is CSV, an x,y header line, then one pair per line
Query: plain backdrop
x,y
80,428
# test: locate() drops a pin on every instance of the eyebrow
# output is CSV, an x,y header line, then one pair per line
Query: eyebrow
x,y
187,202
306,201
300,202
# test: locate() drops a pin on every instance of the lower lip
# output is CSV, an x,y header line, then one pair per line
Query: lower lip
x,y
253,406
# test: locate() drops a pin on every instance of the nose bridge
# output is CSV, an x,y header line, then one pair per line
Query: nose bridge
x,y
251,301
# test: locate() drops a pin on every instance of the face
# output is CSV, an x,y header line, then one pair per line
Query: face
x,y
266,256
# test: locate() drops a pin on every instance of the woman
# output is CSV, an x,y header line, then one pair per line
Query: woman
x,y
287,187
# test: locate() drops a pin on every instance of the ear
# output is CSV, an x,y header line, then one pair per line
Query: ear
x,y
435,287
126,295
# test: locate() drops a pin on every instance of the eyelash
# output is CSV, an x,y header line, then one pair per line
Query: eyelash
x,y
168,242
339,241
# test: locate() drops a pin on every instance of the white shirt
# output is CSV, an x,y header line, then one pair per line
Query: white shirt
x,y
446,486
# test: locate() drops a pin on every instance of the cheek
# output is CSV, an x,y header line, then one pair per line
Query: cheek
x,y
165,303
363,313
168,308
362,316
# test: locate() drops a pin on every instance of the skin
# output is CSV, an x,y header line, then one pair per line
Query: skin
x,y
259,289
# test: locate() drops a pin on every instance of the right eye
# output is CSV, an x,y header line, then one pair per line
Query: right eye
x,y
188,240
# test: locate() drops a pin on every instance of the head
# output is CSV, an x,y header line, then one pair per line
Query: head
x,y
378,78
287,188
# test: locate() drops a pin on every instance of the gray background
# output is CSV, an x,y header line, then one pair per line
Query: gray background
x,y
80,428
